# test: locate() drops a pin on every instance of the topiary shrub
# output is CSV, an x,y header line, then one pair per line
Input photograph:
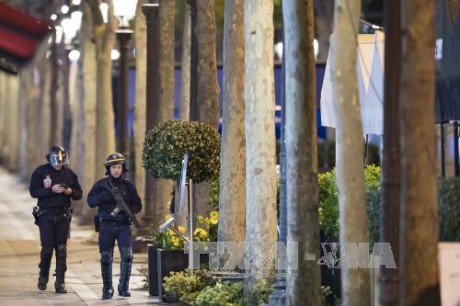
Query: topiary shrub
x,y
166,144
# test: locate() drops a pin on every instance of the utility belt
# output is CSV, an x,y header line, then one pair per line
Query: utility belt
x,y
107,221
39,212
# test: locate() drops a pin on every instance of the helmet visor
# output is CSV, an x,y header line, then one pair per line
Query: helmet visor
x,y
59,158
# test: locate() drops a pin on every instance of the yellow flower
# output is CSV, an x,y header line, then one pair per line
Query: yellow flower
x,y
181,229
200,233
175,241
214,219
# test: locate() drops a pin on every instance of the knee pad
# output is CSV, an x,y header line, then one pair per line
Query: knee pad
x,y
126,254
106,258
61,249
47,250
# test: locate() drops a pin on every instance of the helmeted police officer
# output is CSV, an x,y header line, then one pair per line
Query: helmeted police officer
x,y
54,184
115,225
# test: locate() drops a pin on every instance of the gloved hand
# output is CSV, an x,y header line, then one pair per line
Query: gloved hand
x,y
105,196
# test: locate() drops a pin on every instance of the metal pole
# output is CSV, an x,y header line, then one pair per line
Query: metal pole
x,y
456,149
194,111
151,12
278,297
391,168
123,37
190,220
443,151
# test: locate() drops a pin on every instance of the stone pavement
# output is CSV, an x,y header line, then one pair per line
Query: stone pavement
x,y
19,256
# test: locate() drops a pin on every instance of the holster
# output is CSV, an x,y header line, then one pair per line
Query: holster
x,y
36,214
97,223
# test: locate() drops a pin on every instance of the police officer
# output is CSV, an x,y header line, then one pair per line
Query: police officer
x,y
114,225
54,185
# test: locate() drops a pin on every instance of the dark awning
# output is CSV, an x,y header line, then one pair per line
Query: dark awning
x,y
448,72
20,36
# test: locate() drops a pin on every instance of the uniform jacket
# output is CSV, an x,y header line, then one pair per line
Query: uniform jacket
x,y
100,197
46,197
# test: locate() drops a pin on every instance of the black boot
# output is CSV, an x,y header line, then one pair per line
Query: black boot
x,y
45,262
61,267
106,273
125,271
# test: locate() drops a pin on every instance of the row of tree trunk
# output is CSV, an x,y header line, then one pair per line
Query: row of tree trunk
x,y
248,169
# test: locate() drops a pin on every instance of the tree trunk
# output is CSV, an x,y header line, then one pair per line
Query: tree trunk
x,y
232,198
324,14
301,153
184,108
391,164
260,142
420,279
208,87
140,40
163,188
9,123
104,35
86,166
349,151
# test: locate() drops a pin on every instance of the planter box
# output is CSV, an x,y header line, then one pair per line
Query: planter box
x,y
161,263
152,267
169,261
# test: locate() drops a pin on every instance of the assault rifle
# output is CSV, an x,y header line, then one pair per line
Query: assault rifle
x,y
121,204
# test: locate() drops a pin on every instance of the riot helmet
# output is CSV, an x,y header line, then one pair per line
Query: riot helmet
x,y
115,159
57,156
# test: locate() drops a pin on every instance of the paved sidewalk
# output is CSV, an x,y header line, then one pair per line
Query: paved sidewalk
x,y
19,256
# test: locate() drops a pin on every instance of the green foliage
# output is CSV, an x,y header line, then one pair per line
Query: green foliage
x,y
213,198
184,286
325,292
261,292
206,229
166,144
221,294
329,203
168,240
449,209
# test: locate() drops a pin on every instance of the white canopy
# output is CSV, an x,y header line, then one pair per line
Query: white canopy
x,y
370,71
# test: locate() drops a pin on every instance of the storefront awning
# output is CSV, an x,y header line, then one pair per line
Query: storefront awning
x,y
20,36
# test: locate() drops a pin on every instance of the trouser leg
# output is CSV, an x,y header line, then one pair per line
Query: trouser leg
x,y
61,267
61,234
125,271
106,273
46,254
126,254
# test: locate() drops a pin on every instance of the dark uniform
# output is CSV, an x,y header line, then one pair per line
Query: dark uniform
x,y
54,213
114,225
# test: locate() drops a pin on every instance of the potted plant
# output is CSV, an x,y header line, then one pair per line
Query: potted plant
x,y
164,148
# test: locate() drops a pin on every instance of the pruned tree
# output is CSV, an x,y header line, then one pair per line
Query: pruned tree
x,y
140,41
104,37
207,84
260,142
232,198
301,153
84,151
349,150
419,278
162,188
